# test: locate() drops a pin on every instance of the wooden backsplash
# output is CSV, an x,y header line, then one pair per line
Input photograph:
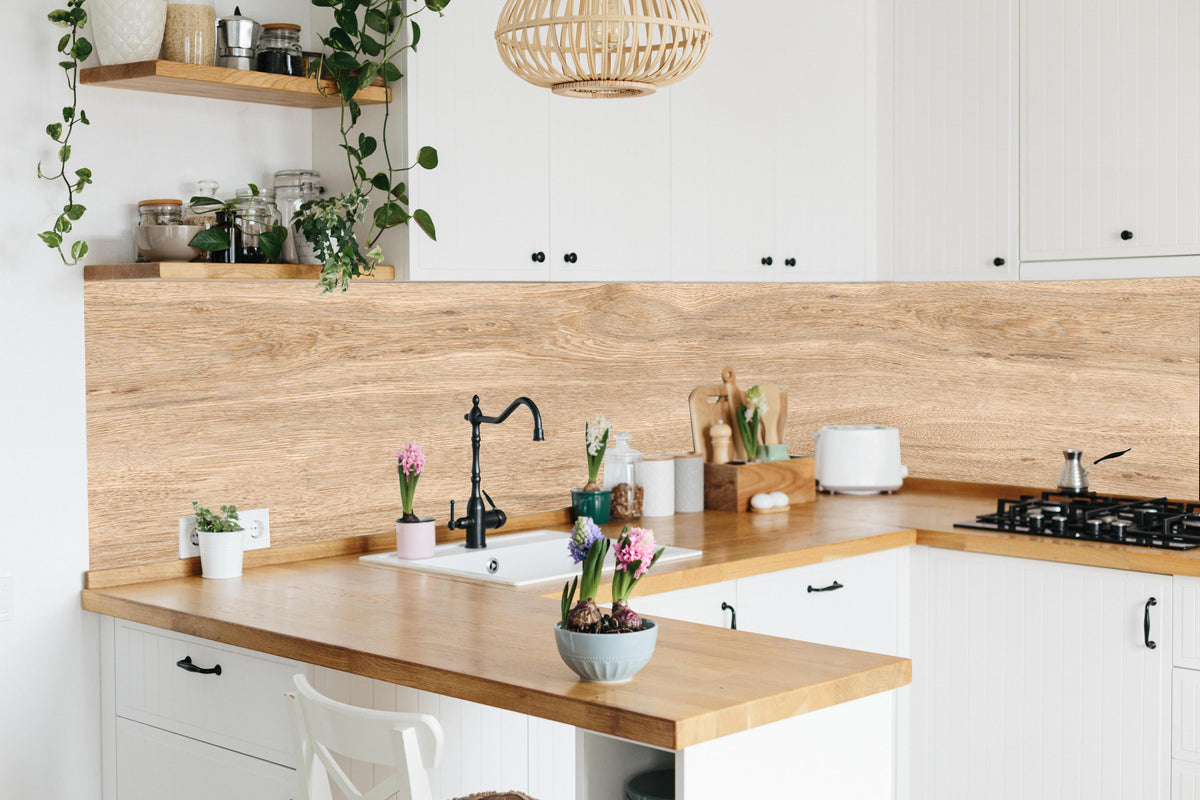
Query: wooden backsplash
x,y
269,395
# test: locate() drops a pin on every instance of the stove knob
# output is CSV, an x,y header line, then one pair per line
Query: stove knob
x,y
1060,523
1037,523
1094,526
1119,527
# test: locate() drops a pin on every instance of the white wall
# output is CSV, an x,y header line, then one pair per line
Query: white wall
x,y
139,146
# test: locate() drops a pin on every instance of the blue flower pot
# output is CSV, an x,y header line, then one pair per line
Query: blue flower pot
x,y
592,504
607,657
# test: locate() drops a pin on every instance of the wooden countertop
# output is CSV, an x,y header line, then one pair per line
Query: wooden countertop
x,y
494,645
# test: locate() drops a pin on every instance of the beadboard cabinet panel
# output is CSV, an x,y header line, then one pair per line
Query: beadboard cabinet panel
x,y
955,140
1110,129
1185,781
1033,680
1187,622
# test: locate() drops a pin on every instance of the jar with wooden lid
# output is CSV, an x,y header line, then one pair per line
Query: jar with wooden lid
x,y
279,50
160,212
191,33
623,474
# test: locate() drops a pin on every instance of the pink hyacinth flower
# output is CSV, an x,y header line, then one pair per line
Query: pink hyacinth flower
x,y
412,459
639,546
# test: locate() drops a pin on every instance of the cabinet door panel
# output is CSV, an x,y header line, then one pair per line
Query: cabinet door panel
x,y
1185,781
701,604
610,187
153,764
1111,129
1032,680
955,140
488,195
1187,622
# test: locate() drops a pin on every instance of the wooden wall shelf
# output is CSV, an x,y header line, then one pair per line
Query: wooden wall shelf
x,y
171,77
197,271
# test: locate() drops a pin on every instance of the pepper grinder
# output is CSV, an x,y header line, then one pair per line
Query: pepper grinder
x,y
722,441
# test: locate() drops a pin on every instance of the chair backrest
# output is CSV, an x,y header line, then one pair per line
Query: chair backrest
x,y
411,743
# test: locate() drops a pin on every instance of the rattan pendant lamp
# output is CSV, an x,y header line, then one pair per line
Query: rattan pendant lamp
x,y
603,48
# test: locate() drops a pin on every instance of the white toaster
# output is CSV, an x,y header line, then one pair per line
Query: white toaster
x,y
859,459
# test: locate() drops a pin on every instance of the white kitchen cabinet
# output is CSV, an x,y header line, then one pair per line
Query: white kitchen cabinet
x,y
771,173
155,764
700,604
1110,129
1185,781
1033,680
1187,622
1185,714
954,141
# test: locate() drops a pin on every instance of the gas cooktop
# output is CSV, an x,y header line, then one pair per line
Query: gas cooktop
x,y
1091,517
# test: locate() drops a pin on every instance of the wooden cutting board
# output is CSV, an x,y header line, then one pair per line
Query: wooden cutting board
x,y
708,404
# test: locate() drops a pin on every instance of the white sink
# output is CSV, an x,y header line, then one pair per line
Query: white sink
x,y
517,559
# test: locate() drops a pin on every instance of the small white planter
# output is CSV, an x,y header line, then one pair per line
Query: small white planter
x,y
221,554
127,30
416,540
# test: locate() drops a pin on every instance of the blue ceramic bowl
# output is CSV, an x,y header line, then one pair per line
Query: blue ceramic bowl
x,y
607,657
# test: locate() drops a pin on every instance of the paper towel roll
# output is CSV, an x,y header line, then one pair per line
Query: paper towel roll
x,y
689,483
658,483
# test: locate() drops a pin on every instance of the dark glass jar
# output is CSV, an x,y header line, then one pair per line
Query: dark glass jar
x,y
279,49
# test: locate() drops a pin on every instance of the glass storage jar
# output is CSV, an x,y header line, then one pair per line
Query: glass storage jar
x,y
294,188
160,212
279,49
254,214
623,474
191,32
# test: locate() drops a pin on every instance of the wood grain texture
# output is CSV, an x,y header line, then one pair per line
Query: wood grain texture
x,y
195,271
450,638
729,487
269,395
221,83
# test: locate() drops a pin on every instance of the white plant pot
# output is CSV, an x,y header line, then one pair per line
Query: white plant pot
x,y
415,540
125,31
221,554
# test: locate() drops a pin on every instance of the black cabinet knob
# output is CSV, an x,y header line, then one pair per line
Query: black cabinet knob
x,y
570,258
539,257
999,262
768,261
791,262
1127,235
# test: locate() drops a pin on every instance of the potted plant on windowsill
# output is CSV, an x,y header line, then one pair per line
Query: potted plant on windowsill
x,y
591,501
612,647
222,541
416,536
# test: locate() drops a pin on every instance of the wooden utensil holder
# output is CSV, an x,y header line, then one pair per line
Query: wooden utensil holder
x,y
729,487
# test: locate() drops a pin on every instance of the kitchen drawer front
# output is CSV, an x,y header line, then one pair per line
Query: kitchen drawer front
x,y
1185,780
700,604
1187,622
153,764
853,602
242,708
1185,714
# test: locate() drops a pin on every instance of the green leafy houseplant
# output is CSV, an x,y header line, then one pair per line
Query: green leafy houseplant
x,y
749,421
210,522
75,49
363,44
220,237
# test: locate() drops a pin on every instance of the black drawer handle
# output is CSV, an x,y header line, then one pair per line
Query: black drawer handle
x,y
998,262
570,258
732,611
768,261
1126,235
186,664
539,257
1149,603
830,588
790,262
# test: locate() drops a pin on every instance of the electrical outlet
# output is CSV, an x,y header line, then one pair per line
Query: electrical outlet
x,y
6,597
256,524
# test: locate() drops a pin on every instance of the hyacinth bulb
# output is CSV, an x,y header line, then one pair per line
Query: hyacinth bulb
x,y
626,618
608,35
585,617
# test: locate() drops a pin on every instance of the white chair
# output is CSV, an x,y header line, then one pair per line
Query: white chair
x,y
412,743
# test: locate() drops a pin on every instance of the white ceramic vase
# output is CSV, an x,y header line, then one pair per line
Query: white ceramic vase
x,y
221,554
127,30
415,539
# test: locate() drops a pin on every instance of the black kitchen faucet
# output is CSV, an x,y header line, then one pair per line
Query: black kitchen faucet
x,y
478,520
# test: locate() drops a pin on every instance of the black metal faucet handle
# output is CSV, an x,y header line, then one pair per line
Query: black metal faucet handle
x,y
488,497
1112,455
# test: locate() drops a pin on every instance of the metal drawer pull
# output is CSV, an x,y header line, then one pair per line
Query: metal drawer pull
x,y
186,664
732,611
1146,626
831,587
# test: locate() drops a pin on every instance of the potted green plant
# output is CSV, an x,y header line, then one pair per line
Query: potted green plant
x,y
591,501
611,647
222,541
416,536
749,421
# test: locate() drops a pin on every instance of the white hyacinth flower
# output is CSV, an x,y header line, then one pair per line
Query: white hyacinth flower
x,y
595,435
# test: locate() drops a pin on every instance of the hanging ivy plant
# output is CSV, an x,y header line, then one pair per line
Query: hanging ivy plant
x,y
76,49
364,43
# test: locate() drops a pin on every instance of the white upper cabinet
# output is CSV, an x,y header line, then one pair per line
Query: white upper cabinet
x,y
954,199
1110,129
770,143
488,196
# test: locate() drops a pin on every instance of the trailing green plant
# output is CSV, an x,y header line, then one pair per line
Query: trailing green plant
x,y
366,39
76,49
220,237
210,522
